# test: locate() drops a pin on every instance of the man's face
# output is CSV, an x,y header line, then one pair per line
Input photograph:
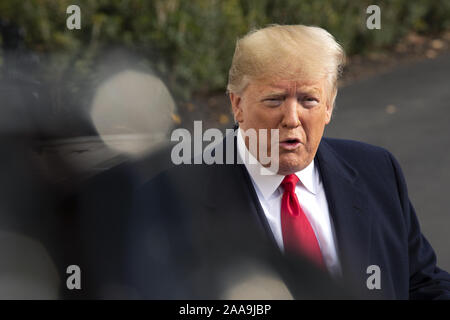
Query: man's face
x,y
299,109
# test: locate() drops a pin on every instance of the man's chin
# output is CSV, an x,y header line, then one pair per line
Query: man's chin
x,y
289,168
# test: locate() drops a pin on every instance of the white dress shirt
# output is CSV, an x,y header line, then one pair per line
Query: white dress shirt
x,y
311,195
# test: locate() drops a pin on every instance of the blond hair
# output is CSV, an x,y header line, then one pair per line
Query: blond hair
x,y
290,52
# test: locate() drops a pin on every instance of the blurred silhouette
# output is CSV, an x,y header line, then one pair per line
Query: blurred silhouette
x,y
31,226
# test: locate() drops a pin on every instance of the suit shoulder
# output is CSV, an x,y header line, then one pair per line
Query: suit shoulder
x,y
355,148
374,164
361,155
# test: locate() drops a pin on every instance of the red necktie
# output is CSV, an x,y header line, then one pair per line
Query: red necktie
x,y
298,234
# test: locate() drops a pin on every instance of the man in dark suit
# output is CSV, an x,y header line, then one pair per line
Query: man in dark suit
x,y
321,213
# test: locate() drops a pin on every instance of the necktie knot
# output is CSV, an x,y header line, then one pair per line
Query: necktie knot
x,y
289,182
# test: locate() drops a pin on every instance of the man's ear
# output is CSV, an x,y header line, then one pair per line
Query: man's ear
x,y
236,106
330,107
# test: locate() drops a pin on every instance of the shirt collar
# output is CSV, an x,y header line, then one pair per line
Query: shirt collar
x,y
269,183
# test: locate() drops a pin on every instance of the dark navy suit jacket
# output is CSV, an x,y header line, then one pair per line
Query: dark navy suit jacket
x,y
192,221
375,222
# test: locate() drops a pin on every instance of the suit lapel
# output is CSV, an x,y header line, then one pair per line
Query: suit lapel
x,y
351,218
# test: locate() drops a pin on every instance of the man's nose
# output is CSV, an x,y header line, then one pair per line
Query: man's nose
x,y
291,118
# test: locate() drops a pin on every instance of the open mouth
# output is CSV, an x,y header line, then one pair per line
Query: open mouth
x,y
290,143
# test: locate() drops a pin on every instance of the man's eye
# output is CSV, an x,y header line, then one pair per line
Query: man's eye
x,y
310,101
273,101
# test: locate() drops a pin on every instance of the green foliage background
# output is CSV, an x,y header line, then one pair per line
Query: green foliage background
x,y
190,43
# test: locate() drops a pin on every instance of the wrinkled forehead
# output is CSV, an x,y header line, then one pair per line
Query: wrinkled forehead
x,y
279,86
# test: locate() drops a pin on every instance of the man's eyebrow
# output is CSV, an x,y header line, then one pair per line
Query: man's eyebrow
x,y
274,94
308,90
301,90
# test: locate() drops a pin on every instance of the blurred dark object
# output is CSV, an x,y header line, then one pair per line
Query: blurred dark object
x,y
20,91
19,63
30,228
12,35
100,216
